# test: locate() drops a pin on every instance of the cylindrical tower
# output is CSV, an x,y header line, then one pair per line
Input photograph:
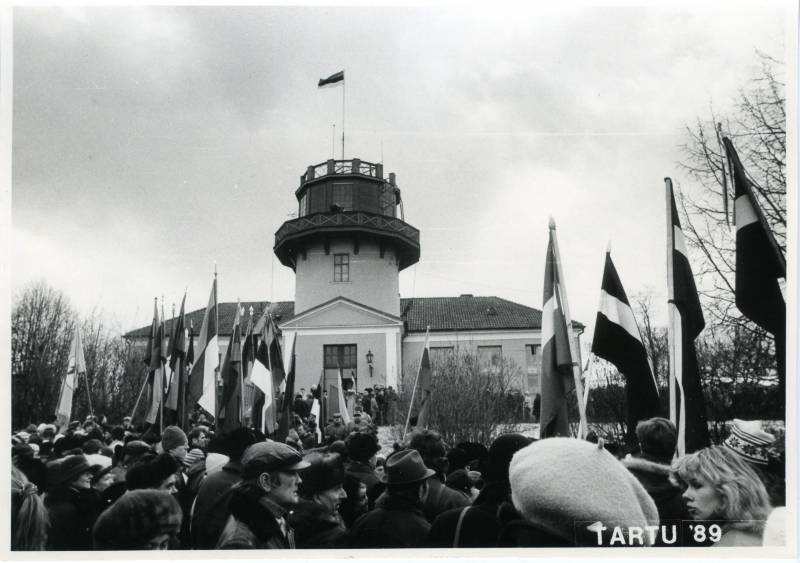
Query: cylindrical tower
x,y
347,239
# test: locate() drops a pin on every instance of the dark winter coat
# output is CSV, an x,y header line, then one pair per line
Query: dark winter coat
x,y
480,526
211,505
395,522
441,498
315,528
72,513
253,524
654,477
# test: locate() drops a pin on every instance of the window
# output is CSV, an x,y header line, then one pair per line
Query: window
x,y
533,365
490,356
343,196
304,205
340,355
439,354
341,267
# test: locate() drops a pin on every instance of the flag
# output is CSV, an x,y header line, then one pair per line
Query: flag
x,y
617,339
425,388
155,367
285,417
202,380
557,377
759,260
177,356
257,357
692,425
315,410
76,365
190,351
342,404
332,79
232,379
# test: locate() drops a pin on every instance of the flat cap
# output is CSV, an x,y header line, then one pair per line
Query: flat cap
x,y
271,456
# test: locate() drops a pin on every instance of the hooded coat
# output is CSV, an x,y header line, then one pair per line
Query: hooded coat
x,y
316,528
253,524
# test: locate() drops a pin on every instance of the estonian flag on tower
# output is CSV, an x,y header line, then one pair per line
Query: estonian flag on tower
x,y
332,79
617,340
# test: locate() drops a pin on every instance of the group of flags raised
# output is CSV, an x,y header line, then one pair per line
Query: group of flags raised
x,y
759,266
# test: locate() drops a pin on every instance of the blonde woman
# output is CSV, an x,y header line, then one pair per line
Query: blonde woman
x,y
722,490
28,515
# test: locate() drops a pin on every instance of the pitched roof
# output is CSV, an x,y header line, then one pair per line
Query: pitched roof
x,y
442,314
281,311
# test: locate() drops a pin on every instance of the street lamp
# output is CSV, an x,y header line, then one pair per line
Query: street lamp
x,y
370,357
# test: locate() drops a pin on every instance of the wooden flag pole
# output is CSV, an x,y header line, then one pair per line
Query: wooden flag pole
x,y
414,390
573,352
672,344
136,404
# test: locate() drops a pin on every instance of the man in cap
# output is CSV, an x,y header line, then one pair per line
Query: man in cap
x,y
336,430
431,448
397,520
259,504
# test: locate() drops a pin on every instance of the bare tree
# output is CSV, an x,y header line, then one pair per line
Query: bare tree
x,y
42,323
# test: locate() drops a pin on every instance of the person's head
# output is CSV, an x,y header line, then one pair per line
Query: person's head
x,y
557,483
234,444
28,515
92,446
323,481
719,485
141,519
73,471
431,448
133,451
174,442
750,442
362,447
337,419
153,472
198,437
272,468
658,439
406,476
500,453
126,422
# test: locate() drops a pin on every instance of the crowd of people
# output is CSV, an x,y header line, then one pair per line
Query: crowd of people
x,y
93,486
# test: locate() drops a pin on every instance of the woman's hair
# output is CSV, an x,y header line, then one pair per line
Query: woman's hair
x,y
135,519
28,515
745,498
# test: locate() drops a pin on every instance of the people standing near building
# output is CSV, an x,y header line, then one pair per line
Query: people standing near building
x,y
478,525
336,430
397,519
431,448
260,503
316,519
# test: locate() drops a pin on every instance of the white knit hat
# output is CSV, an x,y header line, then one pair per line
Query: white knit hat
x,y
748,440
565,485
215,461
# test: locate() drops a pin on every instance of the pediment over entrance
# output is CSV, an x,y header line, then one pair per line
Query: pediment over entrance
x,y
341,312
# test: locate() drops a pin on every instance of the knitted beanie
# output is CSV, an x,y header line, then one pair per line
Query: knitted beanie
x,y
565,485
172,437
136,518
215,462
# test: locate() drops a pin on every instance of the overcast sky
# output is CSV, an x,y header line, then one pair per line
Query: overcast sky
x,y
150,142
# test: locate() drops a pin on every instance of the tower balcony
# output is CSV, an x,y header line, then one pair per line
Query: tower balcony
x,y
294,236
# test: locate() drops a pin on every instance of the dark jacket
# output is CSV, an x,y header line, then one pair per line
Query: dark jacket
x,y
441,498
315,528
72,513
211,505
395,522
480,526
253,523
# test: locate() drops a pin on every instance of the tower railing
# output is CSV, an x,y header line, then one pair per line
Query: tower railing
x,y
348,219
335,167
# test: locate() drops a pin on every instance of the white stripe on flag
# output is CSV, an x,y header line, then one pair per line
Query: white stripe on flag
x,y
210,362
548,327
679,242
618,313
744,214
288,351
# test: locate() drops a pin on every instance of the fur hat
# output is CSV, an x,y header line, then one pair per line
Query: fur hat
x,y
173,437
361,446
325,471
500,453
67,470
564,485
136,518
149,472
